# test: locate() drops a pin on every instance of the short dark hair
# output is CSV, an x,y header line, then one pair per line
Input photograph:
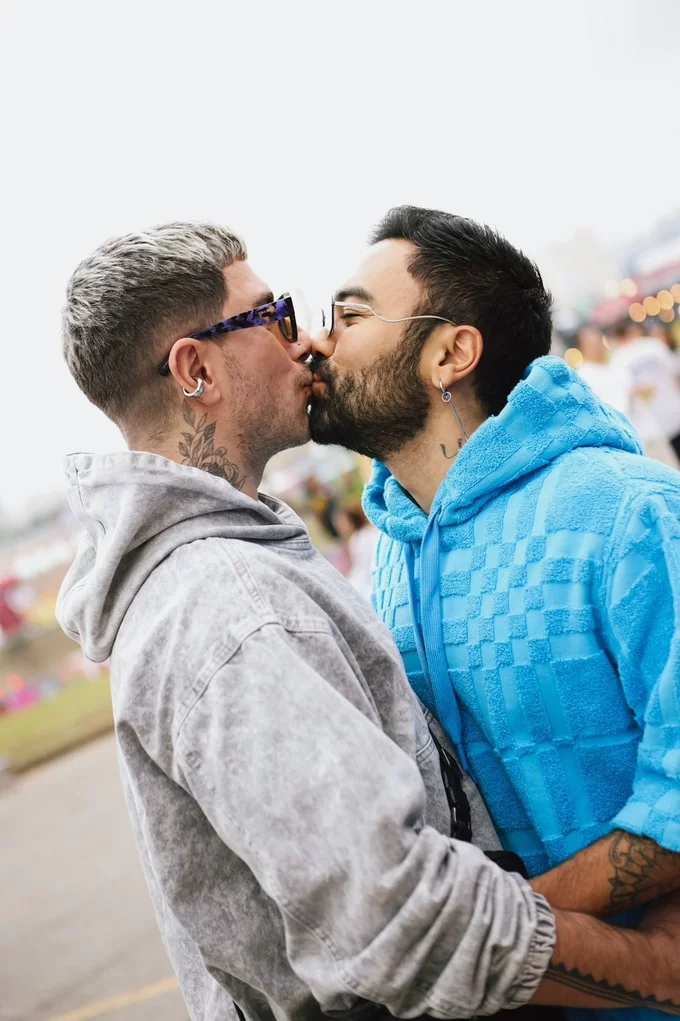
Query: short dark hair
x,y
473,276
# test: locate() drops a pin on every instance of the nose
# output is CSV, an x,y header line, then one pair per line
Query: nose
x,y
301,348
323,346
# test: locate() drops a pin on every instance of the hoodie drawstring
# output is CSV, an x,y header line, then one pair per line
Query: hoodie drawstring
x,y
429,635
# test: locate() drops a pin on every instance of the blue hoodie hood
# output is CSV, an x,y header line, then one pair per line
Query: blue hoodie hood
x,y
549,413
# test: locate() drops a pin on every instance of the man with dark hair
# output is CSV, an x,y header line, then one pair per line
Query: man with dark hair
x,y
529,566
480,278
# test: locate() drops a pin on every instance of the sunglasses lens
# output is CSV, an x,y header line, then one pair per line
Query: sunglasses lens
x,y
286,327
287,324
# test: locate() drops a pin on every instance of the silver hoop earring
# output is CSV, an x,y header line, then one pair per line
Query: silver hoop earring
x,y
198,392
448,399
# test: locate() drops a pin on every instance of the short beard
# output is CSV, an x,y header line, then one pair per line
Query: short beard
x,y
379,409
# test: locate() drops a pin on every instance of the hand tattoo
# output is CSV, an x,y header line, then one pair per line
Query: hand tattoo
x,y
575,979
197,450
450,457
642,870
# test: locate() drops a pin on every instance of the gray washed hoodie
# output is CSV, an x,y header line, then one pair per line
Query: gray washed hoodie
x,y
282,784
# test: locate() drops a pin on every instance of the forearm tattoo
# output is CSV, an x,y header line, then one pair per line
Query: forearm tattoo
x,y
604,990
198,450
643,870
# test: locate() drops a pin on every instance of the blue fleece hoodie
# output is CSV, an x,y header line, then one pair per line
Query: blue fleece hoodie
x,y
537,609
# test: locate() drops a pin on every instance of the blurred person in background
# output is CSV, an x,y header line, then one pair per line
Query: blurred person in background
x,y
610,385
660,331
529,566
322,504
653,378
287,799
361,538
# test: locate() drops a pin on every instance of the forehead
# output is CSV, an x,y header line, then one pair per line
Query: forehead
x,y
245,289
384,274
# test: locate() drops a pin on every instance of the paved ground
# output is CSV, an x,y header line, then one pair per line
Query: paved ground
x,y
77,929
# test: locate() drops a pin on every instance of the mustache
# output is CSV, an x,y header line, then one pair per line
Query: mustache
x,y
321,369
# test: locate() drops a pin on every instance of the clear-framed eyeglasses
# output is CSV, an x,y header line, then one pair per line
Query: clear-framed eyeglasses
x,y
356,309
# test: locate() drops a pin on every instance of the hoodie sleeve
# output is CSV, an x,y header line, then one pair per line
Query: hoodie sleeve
x,y
327,812
643,616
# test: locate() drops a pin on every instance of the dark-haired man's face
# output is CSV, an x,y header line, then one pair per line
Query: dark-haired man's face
x,y
370,396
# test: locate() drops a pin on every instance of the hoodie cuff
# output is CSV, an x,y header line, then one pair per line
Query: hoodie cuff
x,y
538,955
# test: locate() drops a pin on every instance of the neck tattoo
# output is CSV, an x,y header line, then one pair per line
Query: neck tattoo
x,y
198,450
450,457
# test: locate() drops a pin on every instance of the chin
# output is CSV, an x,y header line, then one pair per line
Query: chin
x,y
326,435
301,435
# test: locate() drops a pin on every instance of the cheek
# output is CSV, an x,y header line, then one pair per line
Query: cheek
x,y
358,346
278,379
266,360
281,364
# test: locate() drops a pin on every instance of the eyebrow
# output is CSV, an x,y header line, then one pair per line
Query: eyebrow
x,y
266,298
354,292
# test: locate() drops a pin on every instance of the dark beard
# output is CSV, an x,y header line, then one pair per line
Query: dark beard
x,y
375,411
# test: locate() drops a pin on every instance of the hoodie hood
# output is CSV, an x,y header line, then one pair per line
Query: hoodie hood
x,y
136,509
550,412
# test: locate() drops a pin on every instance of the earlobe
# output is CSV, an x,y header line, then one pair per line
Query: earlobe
x,y
448,399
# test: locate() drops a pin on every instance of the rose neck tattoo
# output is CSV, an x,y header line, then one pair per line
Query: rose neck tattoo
x,y
198,449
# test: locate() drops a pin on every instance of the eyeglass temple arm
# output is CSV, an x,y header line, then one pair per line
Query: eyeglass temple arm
x,y
405,319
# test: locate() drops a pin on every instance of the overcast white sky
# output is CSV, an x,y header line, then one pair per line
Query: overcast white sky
x,y
299,124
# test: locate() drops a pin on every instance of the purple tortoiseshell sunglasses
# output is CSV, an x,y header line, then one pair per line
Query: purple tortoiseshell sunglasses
x,y
280,311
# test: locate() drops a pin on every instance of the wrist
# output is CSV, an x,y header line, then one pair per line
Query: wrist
x,y
655,964
599,965
661,950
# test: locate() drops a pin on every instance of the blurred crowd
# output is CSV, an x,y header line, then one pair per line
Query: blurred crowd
x,y
636,369
342,531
